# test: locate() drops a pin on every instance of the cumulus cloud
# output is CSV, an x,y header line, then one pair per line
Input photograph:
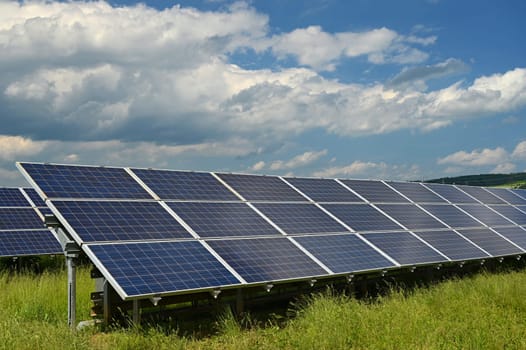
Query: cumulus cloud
x,y
371,170
449,67
12,147
353,169
300,160
519,152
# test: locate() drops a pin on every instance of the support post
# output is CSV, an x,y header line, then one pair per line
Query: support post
x,y
72,290
240,303
136,315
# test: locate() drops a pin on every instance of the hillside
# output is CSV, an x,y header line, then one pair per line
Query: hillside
x,y
515,180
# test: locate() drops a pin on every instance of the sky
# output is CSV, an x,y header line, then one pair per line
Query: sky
x,y
381,89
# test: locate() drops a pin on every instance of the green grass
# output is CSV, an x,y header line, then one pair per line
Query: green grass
x,y
487,311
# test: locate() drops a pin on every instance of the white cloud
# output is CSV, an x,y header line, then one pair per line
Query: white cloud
x,y
300,160
13,147
486,156
258,166
519,152
504,168
372,170
353,169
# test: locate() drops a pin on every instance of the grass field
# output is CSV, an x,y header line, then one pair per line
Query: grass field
x,y
486,311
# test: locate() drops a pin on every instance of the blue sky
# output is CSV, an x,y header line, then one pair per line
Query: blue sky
x,y
356,89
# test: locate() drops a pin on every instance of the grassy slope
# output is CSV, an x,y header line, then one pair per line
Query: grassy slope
x,y
486,311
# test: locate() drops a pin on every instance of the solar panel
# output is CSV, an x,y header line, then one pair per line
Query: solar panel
x,y
507,195
519,192
362,217
19,219
223,219
411,216
296,218
486,215
452,245
119,221
344,253
416,192
185,185
67,181
266,259
35,198
511,213
28,242
142,269
323,190
12,197
262,188
490,241
451,215
515,234
481,194
375,191
404,248
451,193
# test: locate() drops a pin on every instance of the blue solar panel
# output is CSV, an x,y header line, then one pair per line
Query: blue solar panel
x,y
120,221
66,181
12,197
168,267
266,259
486,215
416,192
262,188
507,195
404,248
490,242
511,213
452,245
344,253
35,198
223,219
481,194
34,242
19,219
411,216
323,190
375,191
185,185
451,193
362,217
515,234
451,215
519,192
45,211
296,218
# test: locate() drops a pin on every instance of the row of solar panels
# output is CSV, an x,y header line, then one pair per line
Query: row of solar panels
x,y
156,232
22,230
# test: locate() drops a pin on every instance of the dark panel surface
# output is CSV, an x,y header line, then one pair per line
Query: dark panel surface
x,y
324,190
344,253
451,193
490,241
452,245
266,259
511,213
19,219
362,217
416,192
451,215
507,195
262,188
12,197
411,216
223,219
375,191
34,242
515,234
481,194
486,215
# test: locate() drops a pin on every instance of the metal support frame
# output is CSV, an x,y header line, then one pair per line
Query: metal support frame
x,y
136,312
72,290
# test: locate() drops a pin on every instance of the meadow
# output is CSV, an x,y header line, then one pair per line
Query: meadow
x,y
484,311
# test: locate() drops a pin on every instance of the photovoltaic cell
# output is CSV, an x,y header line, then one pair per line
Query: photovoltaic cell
x,y
362,217
451,215
35,198
66,181
184,185
12,197
452,245
511,213
323,190
375,191
167,267
416,192
486,215
262,188
223,219
519,192
120,221
266,259
404,248
411,216
45,211
34,242
481,194
490,242
451,193
344,253
515,234
294,218
19,219
507,195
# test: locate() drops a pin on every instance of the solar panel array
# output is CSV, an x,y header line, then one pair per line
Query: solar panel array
x,y
22,230
163,232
